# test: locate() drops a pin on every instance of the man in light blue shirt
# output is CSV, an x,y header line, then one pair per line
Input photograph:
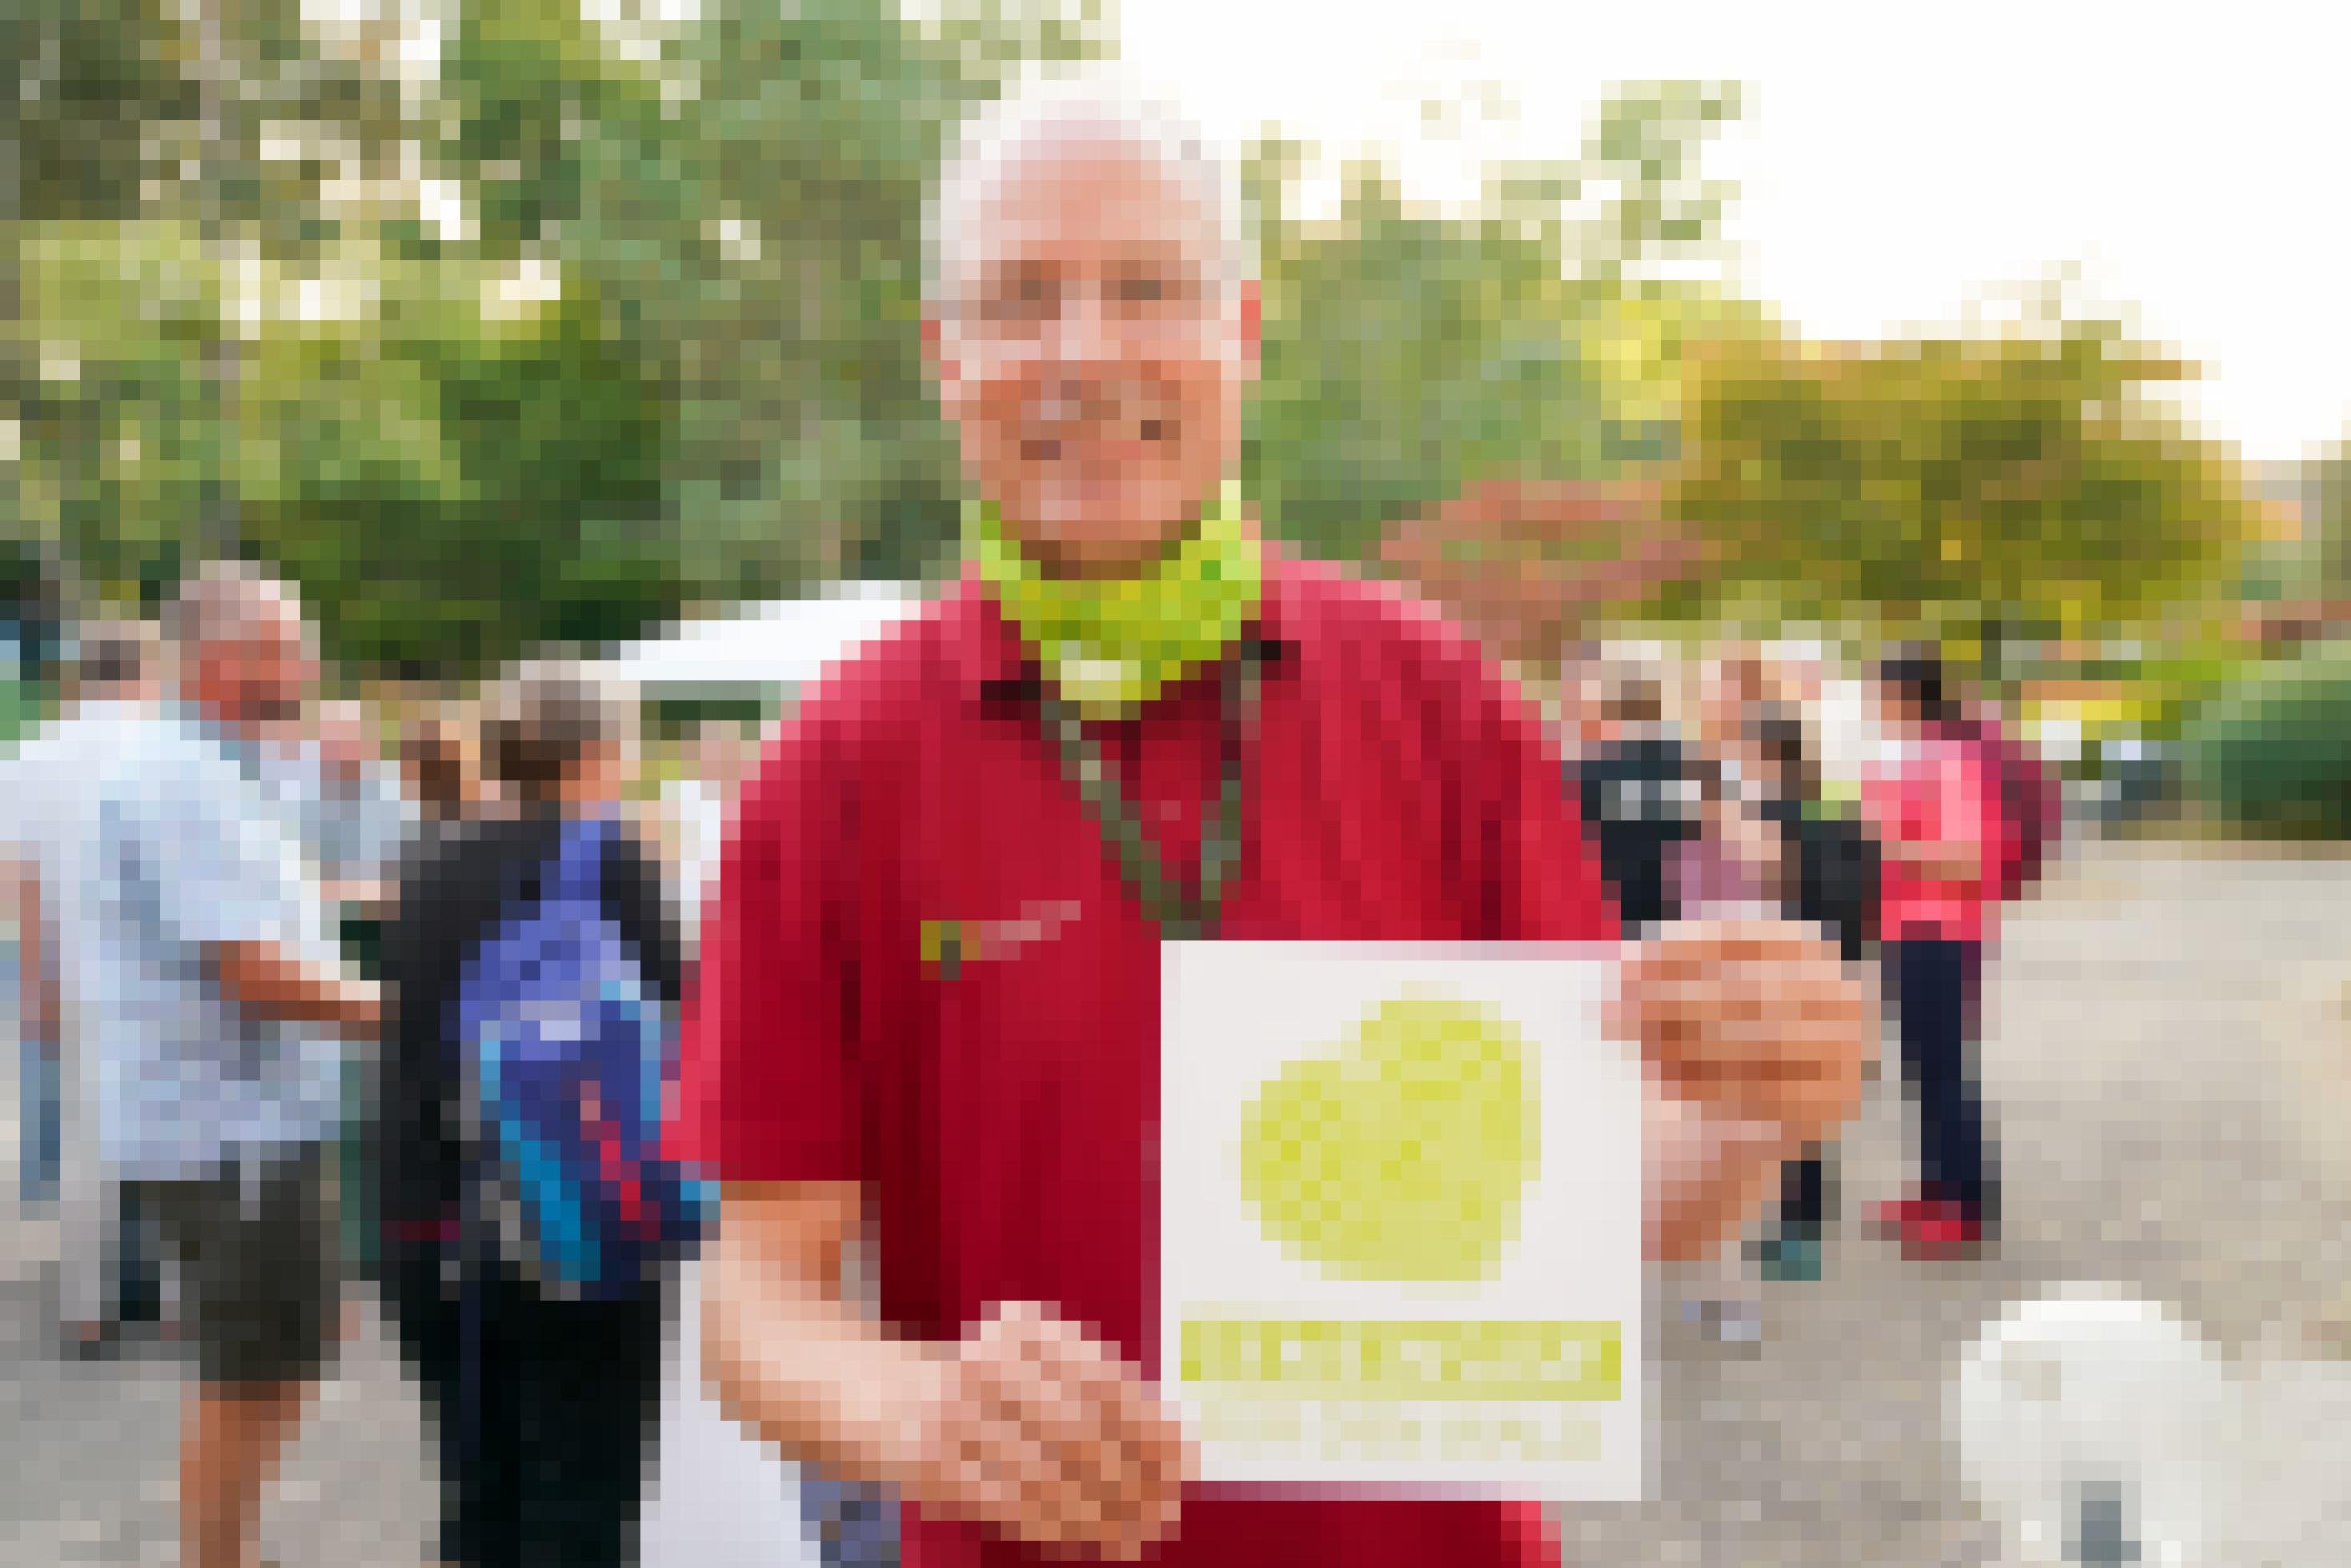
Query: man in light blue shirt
x,y
196,972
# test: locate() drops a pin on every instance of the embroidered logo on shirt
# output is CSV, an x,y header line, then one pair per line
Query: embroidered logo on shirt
x,y
948,945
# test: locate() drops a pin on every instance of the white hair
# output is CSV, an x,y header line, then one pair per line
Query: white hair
x,y
1049,108
224,599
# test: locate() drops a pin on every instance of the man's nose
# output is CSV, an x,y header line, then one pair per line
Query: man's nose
x,y
1082,332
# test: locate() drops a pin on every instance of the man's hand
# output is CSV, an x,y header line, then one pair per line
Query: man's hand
x,y
1039,1430
1754,1036
1025,1423
270,982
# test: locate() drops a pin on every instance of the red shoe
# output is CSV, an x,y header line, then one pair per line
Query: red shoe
x,y
1887,1218
1932,1230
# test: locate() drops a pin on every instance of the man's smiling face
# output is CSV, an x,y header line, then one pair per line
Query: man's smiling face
x,y
1094,349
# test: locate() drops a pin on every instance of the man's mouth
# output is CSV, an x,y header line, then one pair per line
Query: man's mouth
x,y
1122,440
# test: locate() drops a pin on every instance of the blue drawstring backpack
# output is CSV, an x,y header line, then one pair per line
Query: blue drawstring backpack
x,y
565,1054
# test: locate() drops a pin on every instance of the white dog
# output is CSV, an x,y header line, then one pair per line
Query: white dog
x,y
2100,1430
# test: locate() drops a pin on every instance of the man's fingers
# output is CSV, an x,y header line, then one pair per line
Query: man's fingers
x,y
1019,1451
1757,1020
1719,939
1772,1021
1115,1454
1137,1467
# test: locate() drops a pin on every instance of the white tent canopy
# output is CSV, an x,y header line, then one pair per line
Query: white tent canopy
x,y
778,645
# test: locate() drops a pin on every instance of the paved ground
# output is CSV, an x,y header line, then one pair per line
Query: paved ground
x,y
2170,1056
2166,1052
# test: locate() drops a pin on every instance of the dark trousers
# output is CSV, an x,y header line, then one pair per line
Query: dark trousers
x,y
545,1459
1804,1189
137,1274
1938,991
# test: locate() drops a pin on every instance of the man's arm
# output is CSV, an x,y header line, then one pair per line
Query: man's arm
x,y
37,986
1753,1036
788,1357
1024,1424
263,980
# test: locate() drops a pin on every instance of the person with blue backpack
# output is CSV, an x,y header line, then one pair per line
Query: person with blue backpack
x,y
531,1232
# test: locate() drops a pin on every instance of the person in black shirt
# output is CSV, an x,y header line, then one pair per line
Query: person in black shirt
x,y
549,1465
1640,794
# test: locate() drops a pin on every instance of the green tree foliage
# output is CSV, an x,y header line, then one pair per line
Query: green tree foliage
x,y
1413,354
747,200
2322,551
1405,355
2022,481
547,344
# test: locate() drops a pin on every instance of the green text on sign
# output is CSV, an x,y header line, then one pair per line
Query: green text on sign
x,y
1323,1358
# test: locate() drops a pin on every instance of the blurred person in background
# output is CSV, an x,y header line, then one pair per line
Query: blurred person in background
x,y
107,1270
1639,791
1829,878
1933,803
1735,682
345,801
206,1002
441,773
544,1402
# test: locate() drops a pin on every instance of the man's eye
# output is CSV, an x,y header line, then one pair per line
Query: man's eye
x,y
1144,289
1020,300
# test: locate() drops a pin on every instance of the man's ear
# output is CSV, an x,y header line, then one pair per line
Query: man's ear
x,y
1252,328
943,371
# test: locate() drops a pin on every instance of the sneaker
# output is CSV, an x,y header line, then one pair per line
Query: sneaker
x,y
1790,1254
1890,1218
1932,1230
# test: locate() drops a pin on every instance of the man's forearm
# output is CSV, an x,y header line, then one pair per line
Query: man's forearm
x,y
263,980
36,981
807,1372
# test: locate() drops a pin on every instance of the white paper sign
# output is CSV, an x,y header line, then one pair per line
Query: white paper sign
x,y
1401,1219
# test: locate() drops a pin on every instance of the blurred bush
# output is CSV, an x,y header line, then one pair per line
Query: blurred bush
x,y
2271,754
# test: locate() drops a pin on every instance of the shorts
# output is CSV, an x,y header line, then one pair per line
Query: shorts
x,y
259,1280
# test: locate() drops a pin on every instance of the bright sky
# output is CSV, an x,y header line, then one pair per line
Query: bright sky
x,y
1898,158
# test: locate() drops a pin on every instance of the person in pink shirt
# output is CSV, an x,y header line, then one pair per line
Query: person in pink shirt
x,y
1935,807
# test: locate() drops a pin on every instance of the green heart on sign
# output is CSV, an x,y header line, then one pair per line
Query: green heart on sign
x,y
1403,1155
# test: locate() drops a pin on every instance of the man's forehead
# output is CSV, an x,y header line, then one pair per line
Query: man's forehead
x,y
1079,195
262,617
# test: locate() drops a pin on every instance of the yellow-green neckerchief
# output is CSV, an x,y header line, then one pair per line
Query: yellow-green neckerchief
x,y
1111,644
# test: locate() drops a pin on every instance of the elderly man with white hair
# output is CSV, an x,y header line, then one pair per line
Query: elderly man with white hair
x,y
929,994
196,980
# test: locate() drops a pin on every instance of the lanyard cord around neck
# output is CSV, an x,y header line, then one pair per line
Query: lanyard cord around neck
x,y
1181,913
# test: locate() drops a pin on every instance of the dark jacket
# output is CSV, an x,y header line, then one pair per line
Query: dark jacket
x,y
1638,799
1837,867
454,891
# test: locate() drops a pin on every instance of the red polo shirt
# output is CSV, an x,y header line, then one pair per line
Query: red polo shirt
x,y
1002,1112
